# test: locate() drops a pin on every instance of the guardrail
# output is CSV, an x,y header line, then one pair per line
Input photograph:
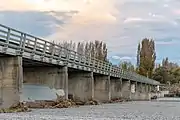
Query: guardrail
x,y
23,42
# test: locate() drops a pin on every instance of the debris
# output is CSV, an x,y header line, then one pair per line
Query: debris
x,y
20,107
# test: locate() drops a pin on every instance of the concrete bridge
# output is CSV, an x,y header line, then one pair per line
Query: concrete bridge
x,y
26,59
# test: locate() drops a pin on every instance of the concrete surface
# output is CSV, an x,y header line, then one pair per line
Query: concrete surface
x,y
10,80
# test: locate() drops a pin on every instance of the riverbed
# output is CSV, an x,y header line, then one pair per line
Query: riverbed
x,y
120,111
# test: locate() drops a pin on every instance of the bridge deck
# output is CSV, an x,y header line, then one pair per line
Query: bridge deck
x,y
31,48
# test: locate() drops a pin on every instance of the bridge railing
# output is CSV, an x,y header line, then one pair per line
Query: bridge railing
x,y
23,42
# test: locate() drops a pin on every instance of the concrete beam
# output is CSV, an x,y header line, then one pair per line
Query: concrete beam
x,y
10,80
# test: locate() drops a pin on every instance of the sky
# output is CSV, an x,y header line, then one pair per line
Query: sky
x,y
122,24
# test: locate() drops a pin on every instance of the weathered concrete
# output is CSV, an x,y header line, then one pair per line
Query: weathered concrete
x,y
116,86
145,92
102,89
126,92
81,85
10,80
53,77
135,91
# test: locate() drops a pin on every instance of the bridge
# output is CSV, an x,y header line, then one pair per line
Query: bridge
x,y
26,59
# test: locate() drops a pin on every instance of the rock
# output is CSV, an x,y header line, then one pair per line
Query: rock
x,y
80,103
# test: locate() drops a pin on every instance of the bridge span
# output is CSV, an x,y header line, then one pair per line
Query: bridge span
x,y
26,59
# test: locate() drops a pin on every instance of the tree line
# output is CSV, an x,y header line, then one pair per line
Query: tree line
x,y
166,72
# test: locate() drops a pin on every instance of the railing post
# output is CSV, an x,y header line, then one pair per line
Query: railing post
x,y
44,51
59,54
52,52
8,36
7,41
34,49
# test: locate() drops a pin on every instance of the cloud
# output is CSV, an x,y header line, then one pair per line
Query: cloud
x,y
41,5
121,58
131,19
90,23
119,23
16,5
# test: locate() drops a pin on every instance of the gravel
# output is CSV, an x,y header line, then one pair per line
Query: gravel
x,y
120,111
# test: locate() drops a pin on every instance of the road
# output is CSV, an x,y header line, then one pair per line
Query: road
x,y
121,111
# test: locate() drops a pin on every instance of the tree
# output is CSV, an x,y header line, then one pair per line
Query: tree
x,y
161,74
146,57
97,50
127,66
138,56
167,72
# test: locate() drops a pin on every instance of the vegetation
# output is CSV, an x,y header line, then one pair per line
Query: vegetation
x,y
98,49
166,72
146,57
127,66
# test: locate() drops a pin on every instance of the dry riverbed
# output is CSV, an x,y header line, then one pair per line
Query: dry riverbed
x,y
27,106
140,110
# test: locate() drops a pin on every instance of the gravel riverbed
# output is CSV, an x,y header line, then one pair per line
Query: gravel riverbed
x,y
120,111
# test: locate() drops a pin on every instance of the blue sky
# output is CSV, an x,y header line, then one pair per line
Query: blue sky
x,y
119,23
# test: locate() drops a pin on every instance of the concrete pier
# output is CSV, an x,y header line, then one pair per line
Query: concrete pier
x,y
81,85
51,76
10,80
116,87
134,90
102,89
126,89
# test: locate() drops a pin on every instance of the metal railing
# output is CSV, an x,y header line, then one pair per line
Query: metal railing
x,y
22,42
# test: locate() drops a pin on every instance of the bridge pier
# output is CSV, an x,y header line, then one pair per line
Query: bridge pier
x,y
10,80
116,88
134,91
126,85
144,92
102,87
52,76
81,85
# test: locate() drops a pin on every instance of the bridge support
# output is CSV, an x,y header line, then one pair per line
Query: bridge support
x,y
116,86
102,87
10,80
134,91
81,85
126,89
51,76
144,92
